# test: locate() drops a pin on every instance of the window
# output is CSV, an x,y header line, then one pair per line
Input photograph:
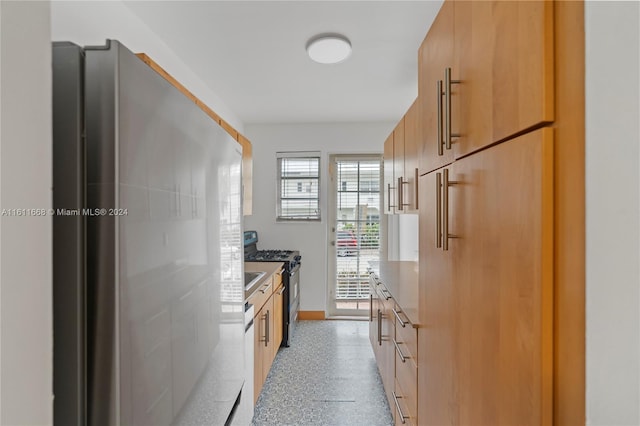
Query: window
x,y
297,170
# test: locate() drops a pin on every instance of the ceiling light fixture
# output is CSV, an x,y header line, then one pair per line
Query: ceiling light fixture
x,y
329,48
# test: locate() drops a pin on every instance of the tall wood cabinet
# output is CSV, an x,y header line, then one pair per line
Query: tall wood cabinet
x,y
486,294
500,130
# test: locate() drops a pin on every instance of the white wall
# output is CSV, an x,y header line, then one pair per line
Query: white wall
x,y
613,214
310,238
26,327
92,22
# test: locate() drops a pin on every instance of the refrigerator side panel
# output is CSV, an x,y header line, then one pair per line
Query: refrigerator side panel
x,y
68,236
103,389
180,295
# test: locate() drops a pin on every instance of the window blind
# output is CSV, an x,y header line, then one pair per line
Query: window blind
x,y
298,186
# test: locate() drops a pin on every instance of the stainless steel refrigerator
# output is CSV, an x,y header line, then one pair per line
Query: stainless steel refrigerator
x,y
148,263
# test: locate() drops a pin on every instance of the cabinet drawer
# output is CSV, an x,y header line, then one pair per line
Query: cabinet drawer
x,y
406,404
407,337
407,378
262,294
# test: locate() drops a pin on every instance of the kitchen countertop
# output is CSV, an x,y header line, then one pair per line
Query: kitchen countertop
x,y
269,268
401,279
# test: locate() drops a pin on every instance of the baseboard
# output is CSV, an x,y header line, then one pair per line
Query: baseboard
x,y
311,315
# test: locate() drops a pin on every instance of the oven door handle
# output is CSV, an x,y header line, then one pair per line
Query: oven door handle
x,y
295,270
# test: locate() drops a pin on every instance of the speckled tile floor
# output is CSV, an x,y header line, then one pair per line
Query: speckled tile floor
x,y
327,377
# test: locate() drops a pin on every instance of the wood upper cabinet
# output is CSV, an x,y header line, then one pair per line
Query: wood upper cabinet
x,y
247,175
486,352
505,57
389,187
401,165
435,55
398,163
411,172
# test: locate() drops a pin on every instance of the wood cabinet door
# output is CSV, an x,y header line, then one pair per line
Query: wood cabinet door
x,y
411,171
247,175
389,186
398,164
258,353
505,54
269,353
278,303
437,352
387,367
435,54
501,211
373,317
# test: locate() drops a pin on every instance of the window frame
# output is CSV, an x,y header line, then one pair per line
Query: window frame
x,y
316,155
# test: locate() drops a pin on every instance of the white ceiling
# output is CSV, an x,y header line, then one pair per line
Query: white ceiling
x,y
252,54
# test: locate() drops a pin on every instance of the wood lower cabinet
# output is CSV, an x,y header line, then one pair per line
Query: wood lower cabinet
x,y
394,345
406,371
486,352
278,303
263,345
268,301
387,335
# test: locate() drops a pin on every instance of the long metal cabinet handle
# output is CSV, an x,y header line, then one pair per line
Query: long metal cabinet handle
x,y
416,178
397,314
281,291
370,307
263,290
438,210
401,203
440,136
447,105
389,197
386,294
266,328
400,413
400,354
399,189
445,209
379,327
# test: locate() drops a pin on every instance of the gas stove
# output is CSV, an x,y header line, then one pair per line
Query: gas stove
x,y
291,258
269,256
290,278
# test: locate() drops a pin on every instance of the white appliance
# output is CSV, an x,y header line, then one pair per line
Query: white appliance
x,y
244,413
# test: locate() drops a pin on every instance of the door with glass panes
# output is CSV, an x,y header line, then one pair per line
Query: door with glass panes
x,y
354,230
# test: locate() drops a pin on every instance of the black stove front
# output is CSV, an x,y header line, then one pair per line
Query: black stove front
x,y
290,279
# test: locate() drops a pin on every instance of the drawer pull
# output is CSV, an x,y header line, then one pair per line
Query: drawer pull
x,y
400,413
281,291
400,354
263,290
402,323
